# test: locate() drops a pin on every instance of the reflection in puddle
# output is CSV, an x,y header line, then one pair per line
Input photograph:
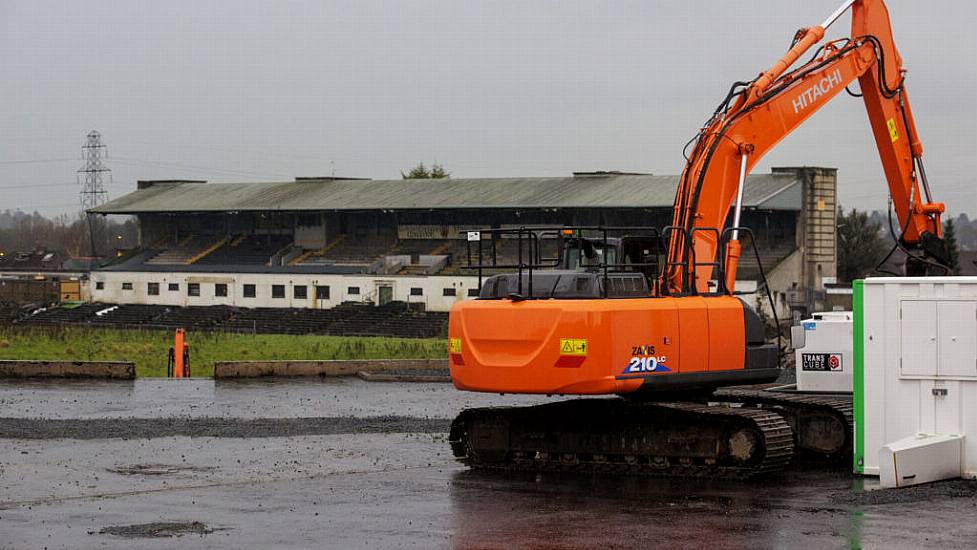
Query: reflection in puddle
x,y
499,510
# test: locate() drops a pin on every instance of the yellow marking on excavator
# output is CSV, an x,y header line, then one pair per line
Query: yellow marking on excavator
x,y
573,346
891,123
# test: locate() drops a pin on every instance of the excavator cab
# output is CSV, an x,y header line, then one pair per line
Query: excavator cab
x,y
585,254
567,262
641,253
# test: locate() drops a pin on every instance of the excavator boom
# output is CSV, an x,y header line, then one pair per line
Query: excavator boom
x,y
758,115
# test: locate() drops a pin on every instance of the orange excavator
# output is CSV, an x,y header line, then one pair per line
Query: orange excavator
x,y
673,341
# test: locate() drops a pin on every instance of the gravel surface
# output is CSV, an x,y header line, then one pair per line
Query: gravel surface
x,y
952,488
256,399
140,428
351,464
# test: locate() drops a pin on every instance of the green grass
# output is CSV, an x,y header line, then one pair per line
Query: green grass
x,y
148,349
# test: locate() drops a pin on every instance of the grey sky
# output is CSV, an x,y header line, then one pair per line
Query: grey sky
x,y
249,91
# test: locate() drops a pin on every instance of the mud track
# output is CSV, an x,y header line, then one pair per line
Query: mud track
x,y
143,428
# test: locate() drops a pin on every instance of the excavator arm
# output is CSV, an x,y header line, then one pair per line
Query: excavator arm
x,y
757,115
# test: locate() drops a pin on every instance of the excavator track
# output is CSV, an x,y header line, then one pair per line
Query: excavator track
x,y
822,423
619,436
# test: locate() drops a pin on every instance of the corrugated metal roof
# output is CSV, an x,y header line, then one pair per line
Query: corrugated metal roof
x,y
634,191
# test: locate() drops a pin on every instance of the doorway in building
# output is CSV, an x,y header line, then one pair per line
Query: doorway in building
x,y
385,295
321,296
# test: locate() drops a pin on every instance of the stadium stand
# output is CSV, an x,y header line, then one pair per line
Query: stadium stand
x,y
770,256
418,247
305,253
247,250
258,250
356,251
406,239
183,252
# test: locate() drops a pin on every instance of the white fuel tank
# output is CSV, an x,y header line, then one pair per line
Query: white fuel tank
x,y
823,352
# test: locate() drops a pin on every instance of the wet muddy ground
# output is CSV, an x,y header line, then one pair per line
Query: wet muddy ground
x,y
352,464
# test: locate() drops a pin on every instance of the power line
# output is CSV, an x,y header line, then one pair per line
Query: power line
x,y
250,152
135,161
33,185
36,206
35,161
42,185
131,160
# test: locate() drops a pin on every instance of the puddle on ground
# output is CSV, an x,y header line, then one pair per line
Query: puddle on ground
x,y
158,529
157,469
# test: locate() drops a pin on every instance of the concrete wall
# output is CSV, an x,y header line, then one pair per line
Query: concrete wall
x,y
67,369
783,279
816,238
339,285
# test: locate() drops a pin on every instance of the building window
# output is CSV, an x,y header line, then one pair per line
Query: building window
x,y
353,290
249,291
300,292
220,290
126,286
99,285
416,291
277,291
449,292
473,293
173,287
152,289
193,289
321,292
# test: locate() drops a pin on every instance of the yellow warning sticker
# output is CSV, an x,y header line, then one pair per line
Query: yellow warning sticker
x,y
454,345
891,123
573,346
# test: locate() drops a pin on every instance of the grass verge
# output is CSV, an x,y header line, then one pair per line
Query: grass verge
x,y
148,349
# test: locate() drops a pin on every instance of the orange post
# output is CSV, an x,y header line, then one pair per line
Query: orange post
x,y
180,369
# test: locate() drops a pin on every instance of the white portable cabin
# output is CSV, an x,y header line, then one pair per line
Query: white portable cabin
x,y
915,383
